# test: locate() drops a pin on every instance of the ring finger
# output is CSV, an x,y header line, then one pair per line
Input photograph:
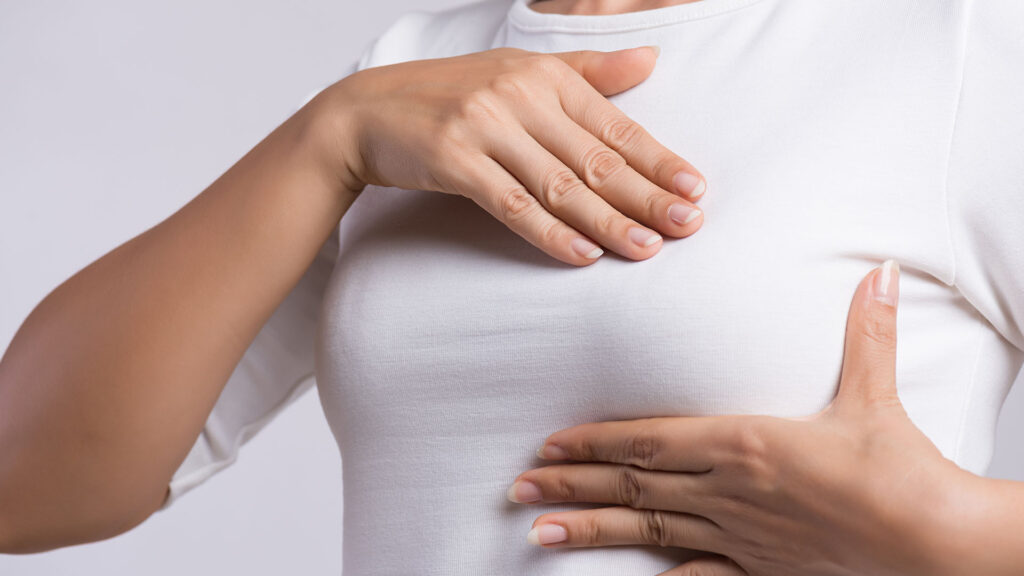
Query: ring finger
x,y
561,192
614,484
605,171
620,526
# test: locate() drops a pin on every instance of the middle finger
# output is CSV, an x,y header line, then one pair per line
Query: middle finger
x,y
563,194
615,484
606,172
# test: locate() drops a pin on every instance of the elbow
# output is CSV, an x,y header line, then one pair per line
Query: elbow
x,y
13,542
25,530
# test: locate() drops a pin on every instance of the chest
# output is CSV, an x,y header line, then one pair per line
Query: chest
x,y
819,169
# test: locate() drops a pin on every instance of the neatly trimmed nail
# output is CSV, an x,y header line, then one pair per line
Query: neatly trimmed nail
x,y
657,50
552,452
887,283
642,237
682,214
689,185
586,248
547,534
523,492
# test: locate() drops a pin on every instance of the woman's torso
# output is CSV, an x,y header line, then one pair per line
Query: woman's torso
x,y
450,347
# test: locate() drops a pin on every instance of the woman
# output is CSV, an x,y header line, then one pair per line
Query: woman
x,y
834,136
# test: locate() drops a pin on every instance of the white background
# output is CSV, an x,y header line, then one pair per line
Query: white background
x,y
112,115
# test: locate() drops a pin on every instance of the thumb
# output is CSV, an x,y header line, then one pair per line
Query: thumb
x,y
612,72
869,359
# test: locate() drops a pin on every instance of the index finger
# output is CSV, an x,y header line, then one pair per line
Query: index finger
x,y
680,444
643,152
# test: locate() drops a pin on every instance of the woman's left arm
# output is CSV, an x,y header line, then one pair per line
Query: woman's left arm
x,y
853,489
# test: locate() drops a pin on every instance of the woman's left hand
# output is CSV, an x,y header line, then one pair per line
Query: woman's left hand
x,y
853,489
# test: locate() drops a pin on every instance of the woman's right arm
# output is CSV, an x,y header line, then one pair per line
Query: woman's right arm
x,y
109,381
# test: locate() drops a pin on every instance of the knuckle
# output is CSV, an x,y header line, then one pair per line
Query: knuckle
x,y
451,134
628,487
588,531
560,186
549,233
652,204
545,64
642,449
749,442
752,450
586,451
666,165
653,528
601,164
479,106
606,223
621,133
564,489
438,180
878,328
511,85
514,204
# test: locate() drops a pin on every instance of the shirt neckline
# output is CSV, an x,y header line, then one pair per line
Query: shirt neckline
x,y
525,18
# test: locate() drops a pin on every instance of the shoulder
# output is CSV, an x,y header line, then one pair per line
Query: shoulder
x,y
424,34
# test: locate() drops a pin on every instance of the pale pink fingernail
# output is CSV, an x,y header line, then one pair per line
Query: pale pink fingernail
x,y
586,248
887,283
689,185
642,237
547,534
524,492
682,214
552,452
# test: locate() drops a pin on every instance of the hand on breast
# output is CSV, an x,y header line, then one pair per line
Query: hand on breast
x,y
529,137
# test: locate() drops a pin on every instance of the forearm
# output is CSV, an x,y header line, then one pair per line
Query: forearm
x,y
110,379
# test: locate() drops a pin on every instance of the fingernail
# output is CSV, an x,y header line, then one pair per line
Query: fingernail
x,y
689,185
523,492
552,452
682,214
887,283
547,534
586,248
657,50
642,237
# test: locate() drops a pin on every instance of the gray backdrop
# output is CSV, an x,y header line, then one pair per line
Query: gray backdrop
x,y
112,115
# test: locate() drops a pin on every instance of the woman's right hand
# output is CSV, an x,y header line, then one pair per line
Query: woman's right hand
x,y
529,137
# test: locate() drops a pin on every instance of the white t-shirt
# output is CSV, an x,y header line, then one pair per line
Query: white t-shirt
x,y
833,135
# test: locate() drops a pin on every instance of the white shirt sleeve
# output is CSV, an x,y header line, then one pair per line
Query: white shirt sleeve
x,y
278,366
986,168
274,371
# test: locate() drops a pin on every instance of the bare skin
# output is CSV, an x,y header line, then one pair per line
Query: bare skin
x,y
108,382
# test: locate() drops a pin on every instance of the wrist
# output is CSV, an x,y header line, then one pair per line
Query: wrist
x,y
328,128
976,529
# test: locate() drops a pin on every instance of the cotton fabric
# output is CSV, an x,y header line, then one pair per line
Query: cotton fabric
x,y
834,135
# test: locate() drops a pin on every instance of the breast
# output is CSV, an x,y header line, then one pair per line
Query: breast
x,y
437,300
450,348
